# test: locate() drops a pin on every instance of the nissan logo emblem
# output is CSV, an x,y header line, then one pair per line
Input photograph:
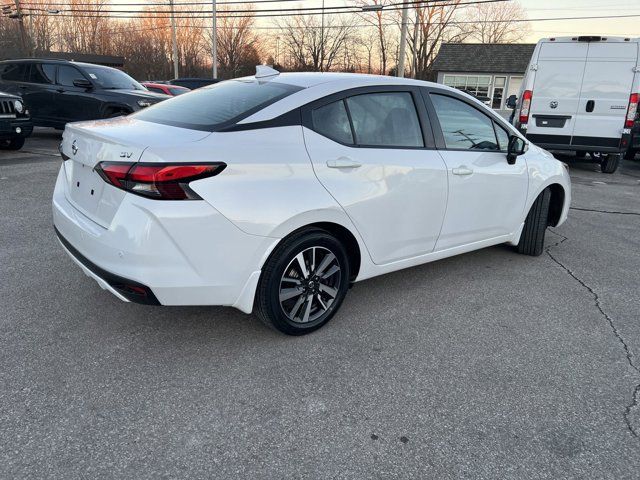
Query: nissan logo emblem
x,y
74,147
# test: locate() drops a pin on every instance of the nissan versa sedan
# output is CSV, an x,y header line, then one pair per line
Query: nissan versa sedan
x,y
274,193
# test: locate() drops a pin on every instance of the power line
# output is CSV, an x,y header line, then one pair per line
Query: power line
x,y
257,13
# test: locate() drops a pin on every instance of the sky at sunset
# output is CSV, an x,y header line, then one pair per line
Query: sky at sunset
x,y
536,9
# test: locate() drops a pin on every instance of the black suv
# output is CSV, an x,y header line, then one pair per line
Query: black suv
x,y
15,124
60,91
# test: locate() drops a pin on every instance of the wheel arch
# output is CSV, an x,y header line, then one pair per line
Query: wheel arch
x,y
110,107
342,233
556,204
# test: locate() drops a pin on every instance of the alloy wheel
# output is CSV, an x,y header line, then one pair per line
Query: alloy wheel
x,y
309,284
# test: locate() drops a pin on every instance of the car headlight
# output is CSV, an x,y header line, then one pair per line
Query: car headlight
x,y
19,106
144,103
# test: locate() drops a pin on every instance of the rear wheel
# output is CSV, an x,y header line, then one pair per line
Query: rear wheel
x,y
535,226
609,163
303,283
630,154
15,143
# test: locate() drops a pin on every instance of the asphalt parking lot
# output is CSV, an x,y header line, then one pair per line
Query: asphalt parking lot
x,y
485,365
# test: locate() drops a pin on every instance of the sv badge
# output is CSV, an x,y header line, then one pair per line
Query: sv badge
x,y
126,154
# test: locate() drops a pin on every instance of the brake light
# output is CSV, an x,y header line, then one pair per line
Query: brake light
x,y
632,109
526,105
161,181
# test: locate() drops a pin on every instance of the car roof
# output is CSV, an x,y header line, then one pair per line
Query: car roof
x,y
318,85
310,79
55,60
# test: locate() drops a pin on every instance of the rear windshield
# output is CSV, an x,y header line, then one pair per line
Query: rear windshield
x,y
217,106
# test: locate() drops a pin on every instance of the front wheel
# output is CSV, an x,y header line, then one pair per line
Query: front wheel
x,y
535,226
15,143
303,283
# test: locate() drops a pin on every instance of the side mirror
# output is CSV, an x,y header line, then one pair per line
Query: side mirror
x,y
511,101
82,83
517,146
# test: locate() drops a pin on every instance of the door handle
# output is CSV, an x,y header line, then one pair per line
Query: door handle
x,y
590,105
343,162
462,171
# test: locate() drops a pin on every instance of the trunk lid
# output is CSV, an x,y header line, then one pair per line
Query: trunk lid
x,y
118,140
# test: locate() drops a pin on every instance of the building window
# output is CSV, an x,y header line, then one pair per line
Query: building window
x,y
498,92
477,85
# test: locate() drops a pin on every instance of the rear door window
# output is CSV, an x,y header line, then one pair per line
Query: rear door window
x,y
332,121
385,119
218,106
14,72
42,73
463,126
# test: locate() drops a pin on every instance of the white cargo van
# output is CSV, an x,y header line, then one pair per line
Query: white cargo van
x,y
581,94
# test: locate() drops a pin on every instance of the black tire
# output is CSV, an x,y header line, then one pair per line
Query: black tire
x,y
15,143
581,154
630,154
535,226
609,163
273,281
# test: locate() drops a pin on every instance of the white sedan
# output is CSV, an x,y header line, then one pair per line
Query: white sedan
x,y
274,193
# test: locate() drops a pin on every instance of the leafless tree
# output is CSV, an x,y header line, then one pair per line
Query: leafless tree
x,y
375,18
430,26
312,47
491,22
238,45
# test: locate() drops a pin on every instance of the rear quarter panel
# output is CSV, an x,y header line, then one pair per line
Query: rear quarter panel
x,y
268,188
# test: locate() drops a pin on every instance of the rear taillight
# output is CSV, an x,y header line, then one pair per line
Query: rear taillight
x,y
161,181
632,109
526,105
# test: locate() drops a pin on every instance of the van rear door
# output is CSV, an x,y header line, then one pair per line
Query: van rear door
x,y
556,92
606,86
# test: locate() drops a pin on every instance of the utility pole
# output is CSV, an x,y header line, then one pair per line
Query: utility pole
x,y
173,40
23,32
322,40
415,43
403,38
214,40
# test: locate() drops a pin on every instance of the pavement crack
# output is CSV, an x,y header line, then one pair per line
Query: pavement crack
x,y
603,211
598,304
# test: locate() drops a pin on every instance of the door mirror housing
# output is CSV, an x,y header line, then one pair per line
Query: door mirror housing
x,y
82,83
511,101
517,146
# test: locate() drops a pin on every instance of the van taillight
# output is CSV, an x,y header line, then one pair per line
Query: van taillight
x,y
632,109
161,181
526,105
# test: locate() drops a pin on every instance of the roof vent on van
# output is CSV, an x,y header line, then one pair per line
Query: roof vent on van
x,y
590,38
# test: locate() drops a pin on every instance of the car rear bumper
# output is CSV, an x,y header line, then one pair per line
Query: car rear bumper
x,y
579,144
164,252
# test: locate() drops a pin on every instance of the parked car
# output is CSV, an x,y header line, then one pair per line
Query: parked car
x,y
165,89
581,94
274,193
15,122
60,91
634,143
193,83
